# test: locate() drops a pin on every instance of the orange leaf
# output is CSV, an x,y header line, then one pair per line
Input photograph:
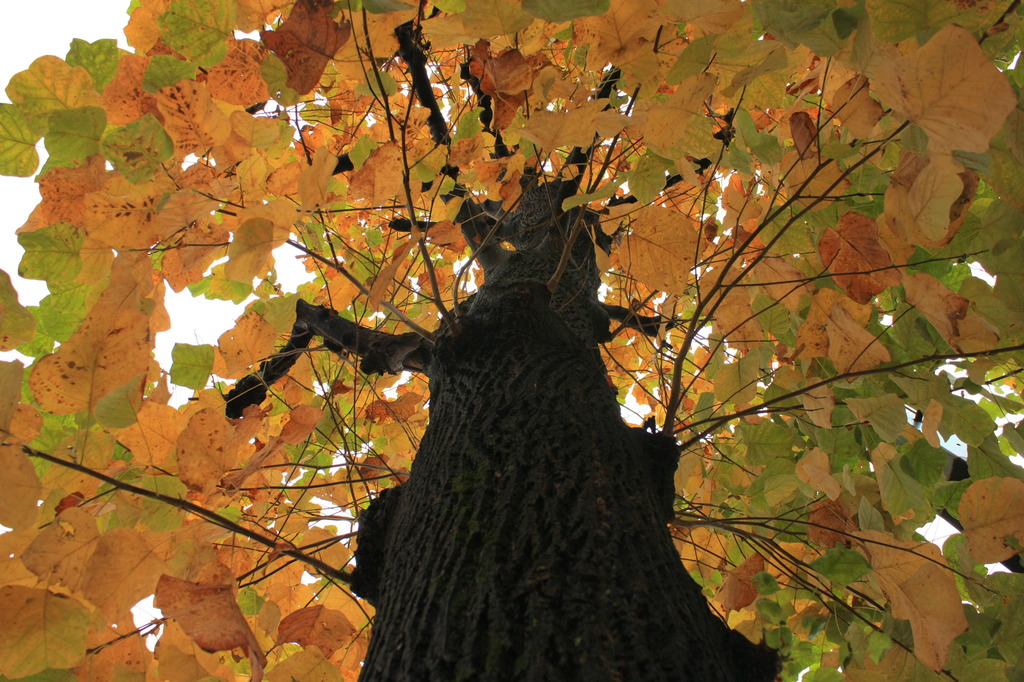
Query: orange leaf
x,y
830,525
855,258
991,510
251,340
318,626
737,591
192,118
395,410
306,41
207,449
209,615
506,78
237,79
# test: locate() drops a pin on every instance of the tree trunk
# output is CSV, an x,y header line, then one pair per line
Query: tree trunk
x,y
530,541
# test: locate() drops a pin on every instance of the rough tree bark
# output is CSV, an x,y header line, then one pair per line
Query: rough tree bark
x,y
530,542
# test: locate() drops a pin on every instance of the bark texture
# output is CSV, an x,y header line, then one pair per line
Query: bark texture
x,y
530,541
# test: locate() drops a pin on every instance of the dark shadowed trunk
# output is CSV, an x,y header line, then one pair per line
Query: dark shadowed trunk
x,y
530,541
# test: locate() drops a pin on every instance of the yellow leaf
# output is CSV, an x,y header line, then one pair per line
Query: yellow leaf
x,y
11,374
381,178
315,178
250,341
51,84
383,280
574,128
621,36
664,127
103,355
815,470
63,548
151,439
992,510
39,630
19,489
818,405
921,589
930,423
856,110
249,252
938,86
121,570
834,328
921,203
207,449
661,249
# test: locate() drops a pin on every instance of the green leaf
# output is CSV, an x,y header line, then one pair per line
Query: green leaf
x,y
18,154
900,492
887,414
51,253
74,134
118,409
824,675
765,441
648,178
50,84
896,20
385,6
138,149
199,29
693,60
164,71
17,325
275,75
924,463
100,59
191,365
160,516
558,10
842,566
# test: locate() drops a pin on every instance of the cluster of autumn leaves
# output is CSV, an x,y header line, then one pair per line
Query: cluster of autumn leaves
x,y
847,190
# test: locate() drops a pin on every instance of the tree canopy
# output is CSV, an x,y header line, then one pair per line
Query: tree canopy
x,y
812,212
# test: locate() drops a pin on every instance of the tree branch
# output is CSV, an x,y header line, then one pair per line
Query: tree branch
x,y
381,353
277,545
